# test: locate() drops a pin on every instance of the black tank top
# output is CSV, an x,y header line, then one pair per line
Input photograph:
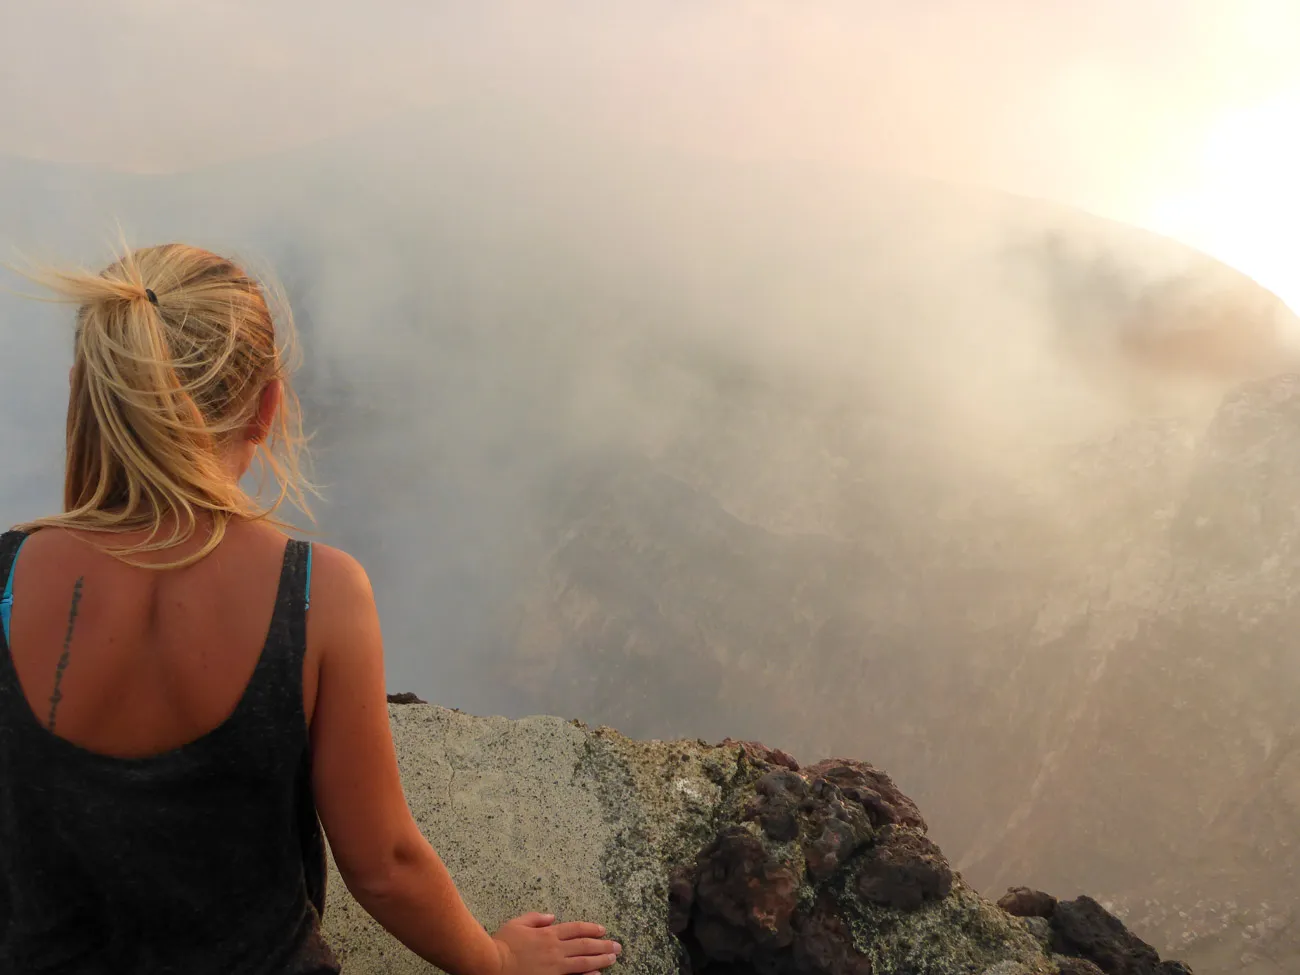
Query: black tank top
x,y
204,860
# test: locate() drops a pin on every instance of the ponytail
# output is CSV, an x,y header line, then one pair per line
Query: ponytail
x,y
173,348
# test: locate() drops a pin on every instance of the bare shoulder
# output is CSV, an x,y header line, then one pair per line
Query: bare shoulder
x,y
337,575
344,643
343,609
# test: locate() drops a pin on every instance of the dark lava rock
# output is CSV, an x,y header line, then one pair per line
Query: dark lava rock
x,y
904,870
825,943
872,789
830,849
1024,902
744,900
1082,928
405,697
681,898
758,897
825,801
782,783
760,754
1040,929
821,871
1076,966
776,804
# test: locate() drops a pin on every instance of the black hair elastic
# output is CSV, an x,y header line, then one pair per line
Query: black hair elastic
x,y
153,298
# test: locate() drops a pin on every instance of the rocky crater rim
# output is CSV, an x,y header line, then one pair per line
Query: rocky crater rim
x,y
733,858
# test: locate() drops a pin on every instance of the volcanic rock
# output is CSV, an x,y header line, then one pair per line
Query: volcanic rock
x,y
1023,902
405,697
1084,929
711,860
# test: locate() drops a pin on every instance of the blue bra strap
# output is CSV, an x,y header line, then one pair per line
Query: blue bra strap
x,y
306,588
7,600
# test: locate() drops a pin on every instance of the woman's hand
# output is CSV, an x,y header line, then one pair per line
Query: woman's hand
x,y
535,945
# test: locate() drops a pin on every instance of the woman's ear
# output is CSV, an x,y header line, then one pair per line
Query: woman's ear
x,y
268,401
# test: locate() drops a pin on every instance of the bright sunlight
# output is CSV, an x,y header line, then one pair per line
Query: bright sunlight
x,y
1244,204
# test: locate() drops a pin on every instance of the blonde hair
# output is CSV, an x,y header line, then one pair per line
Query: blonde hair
x,y
174,346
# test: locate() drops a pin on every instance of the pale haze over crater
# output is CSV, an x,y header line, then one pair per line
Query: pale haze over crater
x,y
1180,117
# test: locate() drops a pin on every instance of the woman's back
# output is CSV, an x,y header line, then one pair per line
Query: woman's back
x,y
153,733
143,661
168,732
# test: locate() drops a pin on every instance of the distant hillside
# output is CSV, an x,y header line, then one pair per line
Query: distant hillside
x,y
1094,697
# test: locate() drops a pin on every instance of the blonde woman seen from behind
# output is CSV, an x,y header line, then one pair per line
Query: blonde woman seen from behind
x,y
186,693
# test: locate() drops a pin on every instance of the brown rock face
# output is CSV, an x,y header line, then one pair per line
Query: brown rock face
x,y
745,899
1077,966
777,804
904,870
825,944
1083,928
1086,939
760,754
1023,902
405,697
830,849
872,789
681,898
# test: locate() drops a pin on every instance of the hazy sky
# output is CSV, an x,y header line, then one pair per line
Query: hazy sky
x,y
1183,115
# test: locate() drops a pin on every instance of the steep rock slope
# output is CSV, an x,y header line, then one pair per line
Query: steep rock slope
x,y
1088,683
1180,766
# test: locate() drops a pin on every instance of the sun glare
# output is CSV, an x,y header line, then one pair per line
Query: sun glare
x,y
1244,205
